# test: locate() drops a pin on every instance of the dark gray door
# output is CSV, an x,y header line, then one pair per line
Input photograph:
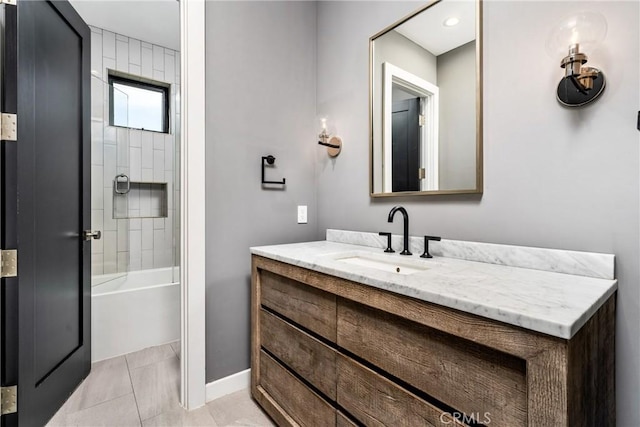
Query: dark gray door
x,y
405,143
51,186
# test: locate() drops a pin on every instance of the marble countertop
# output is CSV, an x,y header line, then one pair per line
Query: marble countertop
x,y
552,303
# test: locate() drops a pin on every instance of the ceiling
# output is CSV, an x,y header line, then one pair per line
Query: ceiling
x,y
428,31
152,21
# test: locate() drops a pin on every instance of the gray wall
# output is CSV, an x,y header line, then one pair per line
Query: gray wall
x,y
457,151
261,87
554,177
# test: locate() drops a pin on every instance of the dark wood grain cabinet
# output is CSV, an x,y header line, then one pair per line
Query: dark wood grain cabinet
x,y
331,352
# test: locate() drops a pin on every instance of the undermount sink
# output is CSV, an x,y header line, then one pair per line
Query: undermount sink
x,y
388,263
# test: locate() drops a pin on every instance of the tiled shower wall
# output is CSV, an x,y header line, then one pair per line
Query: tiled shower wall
x,y
134,243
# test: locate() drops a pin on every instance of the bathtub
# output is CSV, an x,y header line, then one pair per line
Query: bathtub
x,y
134,311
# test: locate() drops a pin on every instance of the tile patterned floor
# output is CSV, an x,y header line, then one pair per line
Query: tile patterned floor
x,y
142,389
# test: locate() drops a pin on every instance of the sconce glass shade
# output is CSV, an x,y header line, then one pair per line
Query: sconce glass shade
x,y
585,28
332,142
570,41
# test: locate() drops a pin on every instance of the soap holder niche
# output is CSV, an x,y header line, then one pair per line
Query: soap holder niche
x,y
135,199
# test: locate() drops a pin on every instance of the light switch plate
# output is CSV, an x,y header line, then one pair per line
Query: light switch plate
x,y
302,214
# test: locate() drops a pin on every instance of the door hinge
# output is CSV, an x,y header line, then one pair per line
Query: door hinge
x,y
8,263
11,2
421,120
9,400
422,172
8,125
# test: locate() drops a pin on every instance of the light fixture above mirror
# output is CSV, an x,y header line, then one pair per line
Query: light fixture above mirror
x,y
426,102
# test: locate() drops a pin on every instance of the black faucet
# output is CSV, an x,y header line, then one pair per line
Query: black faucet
x,y
405,215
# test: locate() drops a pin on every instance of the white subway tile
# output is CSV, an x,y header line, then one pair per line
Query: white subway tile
x,y
123,235
108,44
158,224
168,153
97,264
96,53
122,137
134,52
135,138
135,70
97,153
110,135
145,200
110,159
169,66
158,75
135,223
97,100
97,219
135,261
159,251
170,195
147,150
120,206
158,165
177,105
147,62
158,141
158,58
147,259
109,221
97,184
135,251
123,262
168,238
135,164
134,202
110,251
147,233
147,174
122,56
177,67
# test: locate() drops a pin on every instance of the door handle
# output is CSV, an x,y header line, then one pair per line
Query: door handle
x,y
90,234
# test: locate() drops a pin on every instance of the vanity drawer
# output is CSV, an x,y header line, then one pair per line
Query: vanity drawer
x,y
310,358
376,401
466,376
296,399
310,307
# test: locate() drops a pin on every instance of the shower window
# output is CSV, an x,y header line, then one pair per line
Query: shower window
x,y
145,106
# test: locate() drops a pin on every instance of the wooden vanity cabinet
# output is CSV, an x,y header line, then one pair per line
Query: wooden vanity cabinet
x,y
331,352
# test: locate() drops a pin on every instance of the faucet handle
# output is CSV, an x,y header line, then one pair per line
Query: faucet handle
x,y
426,253
382,233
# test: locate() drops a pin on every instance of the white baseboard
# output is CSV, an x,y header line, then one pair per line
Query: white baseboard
x,y
227,385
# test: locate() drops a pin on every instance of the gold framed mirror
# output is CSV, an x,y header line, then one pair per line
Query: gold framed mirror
x,y
425,102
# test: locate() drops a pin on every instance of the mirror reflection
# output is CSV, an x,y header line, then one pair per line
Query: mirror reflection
x,y
424,103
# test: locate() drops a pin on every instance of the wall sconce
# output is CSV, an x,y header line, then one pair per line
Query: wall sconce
x,y
583,31
333,143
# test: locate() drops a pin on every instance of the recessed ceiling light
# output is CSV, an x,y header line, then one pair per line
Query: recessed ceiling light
x,y
450,22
